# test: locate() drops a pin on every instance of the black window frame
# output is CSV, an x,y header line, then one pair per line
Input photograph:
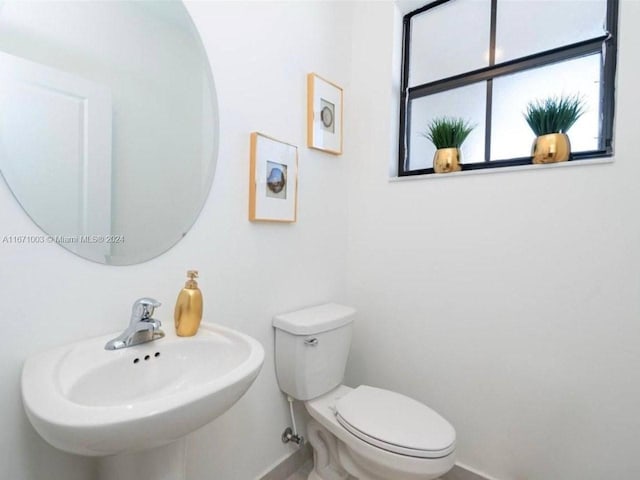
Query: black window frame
x,y
605,44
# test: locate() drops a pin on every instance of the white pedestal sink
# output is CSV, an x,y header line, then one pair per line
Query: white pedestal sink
x,y
160,463
86,400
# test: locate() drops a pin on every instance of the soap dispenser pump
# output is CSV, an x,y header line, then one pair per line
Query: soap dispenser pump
x,y
188,312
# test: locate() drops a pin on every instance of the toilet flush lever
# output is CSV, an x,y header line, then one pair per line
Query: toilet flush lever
x,y
311,342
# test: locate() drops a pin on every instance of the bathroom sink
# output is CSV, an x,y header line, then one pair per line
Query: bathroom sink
x,y
87,400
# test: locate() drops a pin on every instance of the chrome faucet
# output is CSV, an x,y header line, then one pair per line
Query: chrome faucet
x,y
142,328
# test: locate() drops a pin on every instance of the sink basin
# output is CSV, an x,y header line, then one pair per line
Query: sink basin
x,y
86,400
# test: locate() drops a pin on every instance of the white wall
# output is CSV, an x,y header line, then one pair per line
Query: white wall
x,y
506,301
260,54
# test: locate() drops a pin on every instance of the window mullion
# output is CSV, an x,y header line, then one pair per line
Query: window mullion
x,y
608,75
575,50
492,62
403,153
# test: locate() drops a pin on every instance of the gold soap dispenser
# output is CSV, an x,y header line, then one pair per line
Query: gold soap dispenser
x,y
188,312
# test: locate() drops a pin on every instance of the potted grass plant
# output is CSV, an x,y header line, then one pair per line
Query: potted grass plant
x,y
448,135
550,118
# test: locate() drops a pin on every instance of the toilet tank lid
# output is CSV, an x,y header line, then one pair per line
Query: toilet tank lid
x,y
312,320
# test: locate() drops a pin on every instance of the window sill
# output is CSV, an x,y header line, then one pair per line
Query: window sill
x,y
518,168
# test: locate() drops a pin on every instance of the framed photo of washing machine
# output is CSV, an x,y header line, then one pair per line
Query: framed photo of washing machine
x,y
273,180
324,115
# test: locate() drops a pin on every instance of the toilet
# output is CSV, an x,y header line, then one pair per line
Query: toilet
x,y
366,433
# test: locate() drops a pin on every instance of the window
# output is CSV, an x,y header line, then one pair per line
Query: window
x,y
484,60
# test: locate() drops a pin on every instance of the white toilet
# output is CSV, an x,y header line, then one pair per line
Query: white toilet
x,y
364,432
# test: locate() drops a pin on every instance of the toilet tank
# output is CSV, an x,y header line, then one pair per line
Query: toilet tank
x,y
311,349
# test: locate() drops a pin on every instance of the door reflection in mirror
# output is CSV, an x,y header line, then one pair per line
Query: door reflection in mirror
x,y
108,123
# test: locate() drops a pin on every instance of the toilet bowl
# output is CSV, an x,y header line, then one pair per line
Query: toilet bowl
x,y
366,433
384,456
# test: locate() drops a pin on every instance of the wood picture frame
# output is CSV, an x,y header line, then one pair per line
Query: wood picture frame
x,y
324,115
273,180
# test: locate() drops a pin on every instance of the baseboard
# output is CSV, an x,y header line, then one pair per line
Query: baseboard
x,y
296,460
290,464
459,472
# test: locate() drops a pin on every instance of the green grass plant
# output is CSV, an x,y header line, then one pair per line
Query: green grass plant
x,y
554,114
448,132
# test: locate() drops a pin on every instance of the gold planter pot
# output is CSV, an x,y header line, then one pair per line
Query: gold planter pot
x,y
551,148
447,160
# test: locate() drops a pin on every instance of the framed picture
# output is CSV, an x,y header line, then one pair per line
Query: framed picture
x,y
324,115
273,180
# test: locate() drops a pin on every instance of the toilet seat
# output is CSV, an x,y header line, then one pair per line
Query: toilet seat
x,y
394,422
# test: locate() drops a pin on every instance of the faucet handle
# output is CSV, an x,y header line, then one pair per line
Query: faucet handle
x,y
143,309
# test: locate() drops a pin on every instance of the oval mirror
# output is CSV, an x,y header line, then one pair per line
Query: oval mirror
x,y
108,123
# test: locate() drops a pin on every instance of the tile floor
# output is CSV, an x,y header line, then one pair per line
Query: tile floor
x,y
303,472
